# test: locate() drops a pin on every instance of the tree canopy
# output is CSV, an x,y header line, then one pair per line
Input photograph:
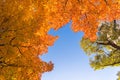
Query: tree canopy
x,y
106,48
86,15
23,36
24,27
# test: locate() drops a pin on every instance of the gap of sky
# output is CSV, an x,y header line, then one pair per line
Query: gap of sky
x,y
70,61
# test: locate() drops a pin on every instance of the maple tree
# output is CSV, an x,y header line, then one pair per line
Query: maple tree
x,y
23,37
86,15
24,26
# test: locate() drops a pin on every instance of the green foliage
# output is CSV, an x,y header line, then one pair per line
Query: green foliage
x,y
106,48
90,47
118,74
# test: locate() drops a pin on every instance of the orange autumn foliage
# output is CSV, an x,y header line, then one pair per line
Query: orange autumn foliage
x,y
24,27
23,37
86,15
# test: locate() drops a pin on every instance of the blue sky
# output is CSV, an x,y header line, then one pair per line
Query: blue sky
x,y
70,61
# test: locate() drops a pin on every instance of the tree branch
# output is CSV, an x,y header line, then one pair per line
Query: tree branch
x,y
15,65
110,64
2,44
106,2
11,40
110,44
65,4
3,64
115,24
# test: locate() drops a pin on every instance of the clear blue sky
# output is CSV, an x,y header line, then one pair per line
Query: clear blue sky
x,y
70,62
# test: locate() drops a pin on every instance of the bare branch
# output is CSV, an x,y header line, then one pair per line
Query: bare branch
x,y
110,43
11,40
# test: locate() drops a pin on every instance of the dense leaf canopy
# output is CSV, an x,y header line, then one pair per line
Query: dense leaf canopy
x,y
24,27
86,15
23,36
106,48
